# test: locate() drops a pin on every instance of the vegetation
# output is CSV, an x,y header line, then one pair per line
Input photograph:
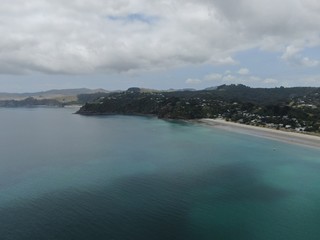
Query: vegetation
x,y
291,108
30,102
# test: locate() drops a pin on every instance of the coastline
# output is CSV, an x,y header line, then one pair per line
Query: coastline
x,y
113,114
279,135
297,138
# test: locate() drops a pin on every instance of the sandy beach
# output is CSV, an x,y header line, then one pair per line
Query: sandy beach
x,y
284,136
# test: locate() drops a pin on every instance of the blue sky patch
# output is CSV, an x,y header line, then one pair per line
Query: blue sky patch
x,y
135,17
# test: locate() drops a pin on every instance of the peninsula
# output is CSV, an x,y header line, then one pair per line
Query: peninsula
x,y
293,109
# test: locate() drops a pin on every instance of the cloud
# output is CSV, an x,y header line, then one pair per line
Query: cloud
x,y
270,81
78,37
305,61
292,55
193,81
243,71
213,77
290,52
222,61
228,78
134,17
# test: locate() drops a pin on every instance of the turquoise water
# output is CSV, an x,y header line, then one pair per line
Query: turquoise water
x,y
65,176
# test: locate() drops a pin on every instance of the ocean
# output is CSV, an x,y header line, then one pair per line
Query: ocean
x,y
69,177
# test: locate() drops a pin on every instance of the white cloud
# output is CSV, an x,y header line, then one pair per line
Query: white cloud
x,y
229,78
292,55
309,62
193,81
243,71
290,52
255,79
222,61
213,77
77,37
270,81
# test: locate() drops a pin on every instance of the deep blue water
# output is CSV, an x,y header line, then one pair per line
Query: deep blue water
x,y
65,176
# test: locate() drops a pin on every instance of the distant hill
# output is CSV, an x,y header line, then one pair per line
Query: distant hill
x,y
30,102
50,94
55,97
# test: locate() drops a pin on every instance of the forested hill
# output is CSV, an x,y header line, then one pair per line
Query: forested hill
x,y
295,107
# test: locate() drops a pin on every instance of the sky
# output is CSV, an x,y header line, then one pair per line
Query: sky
x,y
161,44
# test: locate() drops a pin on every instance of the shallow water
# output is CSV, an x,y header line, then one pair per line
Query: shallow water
x,y
65,176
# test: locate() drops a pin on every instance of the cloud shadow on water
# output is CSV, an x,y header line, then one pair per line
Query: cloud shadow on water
x,y
137,207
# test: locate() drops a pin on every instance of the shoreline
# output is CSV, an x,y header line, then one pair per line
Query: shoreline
x,y
304,139
114,114
269,133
